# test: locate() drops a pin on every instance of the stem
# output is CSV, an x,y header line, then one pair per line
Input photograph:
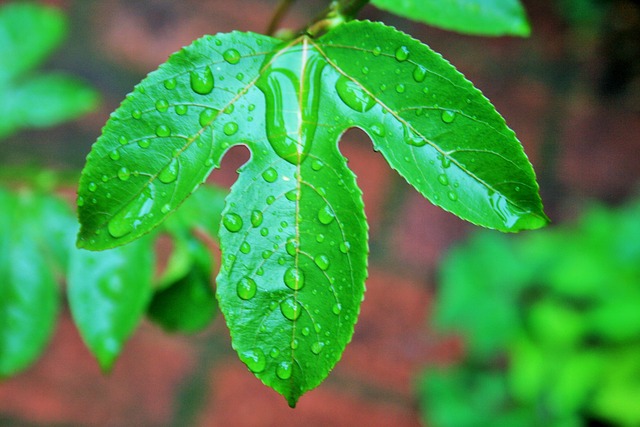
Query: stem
x,y
338,12
281,10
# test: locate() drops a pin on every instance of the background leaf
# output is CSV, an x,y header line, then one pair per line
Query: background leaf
x,y
28,291
479,17
108,296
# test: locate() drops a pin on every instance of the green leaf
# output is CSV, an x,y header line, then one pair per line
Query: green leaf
x,y
479,17
294,239
28,291
29,33
108,294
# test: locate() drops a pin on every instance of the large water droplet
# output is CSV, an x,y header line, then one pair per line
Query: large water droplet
x,y
402,53
419,74
181,109
136,114
442,179
232,56
246,288
245,248
202,82
230,128
294,278
291,195
354,95
170,84
292,246
256,218
232,222
170,173
274,352
144,143
322,261
207,116
316,347
337,308
163,131
284,370
124,174
448,116
326,215
254,359
270,175
291,309
162,105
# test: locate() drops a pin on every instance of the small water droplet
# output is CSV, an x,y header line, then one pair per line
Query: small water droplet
x,y
144,143
124,174
402,53
170,84
163,131
337,308
284,370
345,247
114,155
230,128
256,218
181,109
291,195
419,74
294,344
80,201
162,105
123,140
326,215
170,173
245,248
246,288
292,246
165,208
400,88
232,222
293,278
202,82
274,353
322,261
316,165
412,138
254,359
320,238
270,200
291,309
453,196
442,179
376,51
270,175
266,254
232,56
207,116
316,347
264,232
354,95
448,116
378,130
136,114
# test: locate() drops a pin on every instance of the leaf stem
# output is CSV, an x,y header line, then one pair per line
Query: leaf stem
x,y
338,12
281,10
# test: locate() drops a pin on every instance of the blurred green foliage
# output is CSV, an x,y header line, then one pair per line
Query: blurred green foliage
x,y
552,326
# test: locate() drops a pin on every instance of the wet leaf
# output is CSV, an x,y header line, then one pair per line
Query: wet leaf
x,y
479,17
294,235
108,294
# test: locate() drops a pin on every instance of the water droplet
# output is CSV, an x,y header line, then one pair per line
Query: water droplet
x,y
165,208
284,370
181,109
240,76
274,352
163,131
162,105
412,138
326,215
136,114
292,246
170,84
254,359
92,186
316,165
114,155
376,51
291,195
144,143
320,238
202,83
123,140
230,128
246,288
400,88
378,130
402,53
293,278
306,331
256,218
354,95
442,179
170,173
419,74
266,254
80,201
232,222
337,308
294,344
291,309
270,200
270,175
445,161
453,196
316,347
232,56
207,116
124,174
448,116
264,232
345,247
322,261
245,248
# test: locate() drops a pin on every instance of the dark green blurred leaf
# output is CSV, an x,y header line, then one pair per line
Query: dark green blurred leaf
x,y
108,294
